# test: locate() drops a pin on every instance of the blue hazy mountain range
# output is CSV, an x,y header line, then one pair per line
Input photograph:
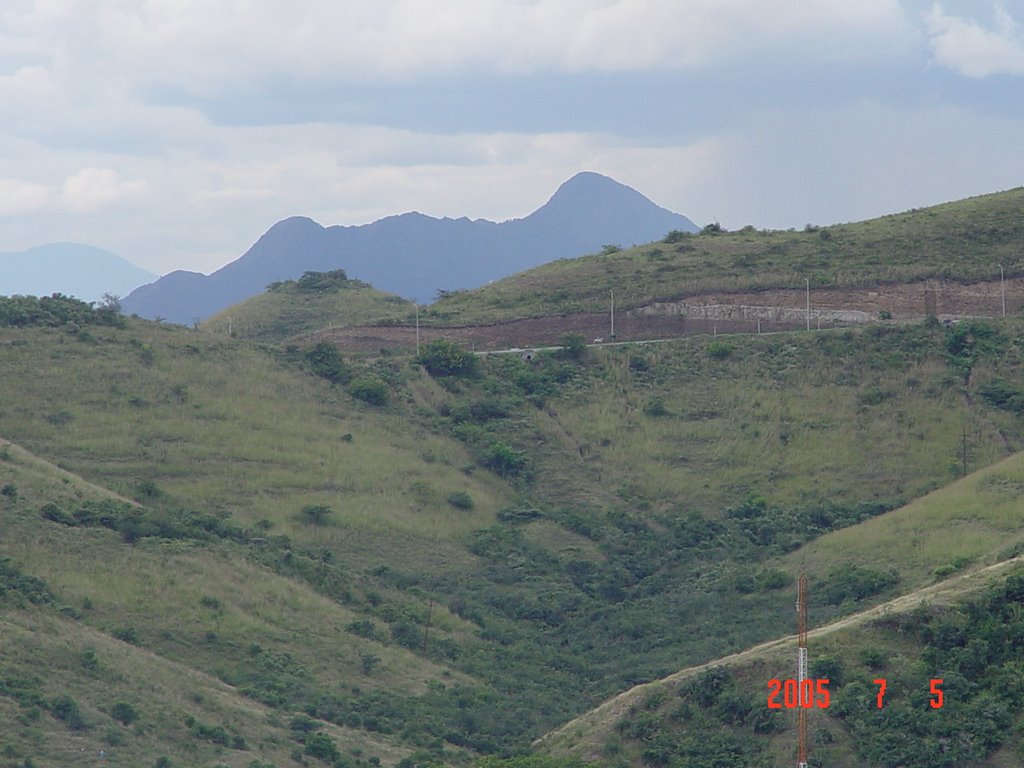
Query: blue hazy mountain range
x,y
74,269
414,255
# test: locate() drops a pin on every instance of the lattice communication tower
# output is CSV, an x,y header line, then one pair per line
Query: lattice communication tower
x,y
801,671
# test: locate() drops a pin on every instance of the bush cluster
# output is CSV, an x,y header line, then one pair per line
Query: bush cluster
x,y
974,648
444,358
55,310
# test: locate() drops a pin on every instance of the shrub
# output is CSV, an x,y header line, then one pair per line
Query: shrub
x,y
320,746
854,582
369,662
55,310
460,500
443,358
1002,394
829,668
773,578
505,460
638,364
719,350
124,713
407,634
874,396
322,282
52,512
22,586
147,489
210,602
574,345
316,514
64,708
656,407
325,361
966,341
363,628
126,635
370,389
10,491
304,724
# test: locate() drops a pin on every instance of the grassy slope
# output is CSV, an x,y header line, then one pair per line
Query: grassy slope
x,y
165,593
805,422
968,522
964,240
288,310
848,417
974,522
596,735
244,435
179,418
218,423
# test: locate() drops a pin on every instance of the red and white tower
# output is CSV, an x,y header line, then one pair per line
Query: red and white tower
x,y
801,671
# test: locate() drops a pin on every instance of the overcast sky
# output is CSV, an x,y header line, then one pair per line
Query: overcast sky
x,y
175,132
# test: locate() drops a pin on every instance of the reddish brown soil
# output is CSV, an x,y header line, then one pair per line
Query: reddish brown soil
x,y
668,320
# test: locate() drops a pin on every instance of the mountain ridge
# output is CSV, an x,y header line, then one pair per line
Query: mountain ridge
x,y
74,269
415,255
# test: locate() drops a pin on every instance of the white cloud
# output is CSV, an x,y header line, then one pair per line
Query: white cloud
x,y
30,82
967,47
20,197
211,46
92,188
78,118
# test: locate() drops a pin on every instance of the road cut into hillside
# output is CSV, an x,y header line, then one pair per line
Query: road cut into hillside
x,y
715,313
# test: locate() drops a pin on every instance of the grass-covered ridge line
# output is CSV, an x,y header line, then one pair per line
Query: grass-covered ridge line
x,y
963,241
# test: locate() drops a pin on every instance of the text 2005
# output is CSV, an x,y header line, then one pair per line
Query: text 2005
x,y
814,693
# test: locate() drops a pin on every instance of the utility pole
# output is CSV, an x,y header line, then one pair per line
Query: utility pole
x,y
417,329
1002,287
612,292
807,280
801,670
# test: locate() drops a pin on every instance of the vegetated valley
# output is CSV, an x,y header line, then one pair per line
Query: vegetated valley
x,y
217,551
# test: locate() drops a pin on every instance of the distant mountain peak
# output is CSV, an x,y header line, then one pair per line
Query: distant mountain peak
x,y
294,225
590,183
589,178
588,189
414,255
76,269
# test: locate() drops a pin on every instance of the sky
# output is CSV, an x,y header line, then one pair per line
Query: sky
x,y
176,132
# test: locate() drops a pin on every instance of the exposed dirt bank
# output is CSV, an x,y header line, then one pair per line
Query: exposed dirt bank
x,y
764,311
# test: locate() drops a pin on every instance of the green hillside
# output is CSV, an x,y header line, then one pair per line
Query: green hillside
x,y
138,650
314,301
958,636
944,547
964,241
270,554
